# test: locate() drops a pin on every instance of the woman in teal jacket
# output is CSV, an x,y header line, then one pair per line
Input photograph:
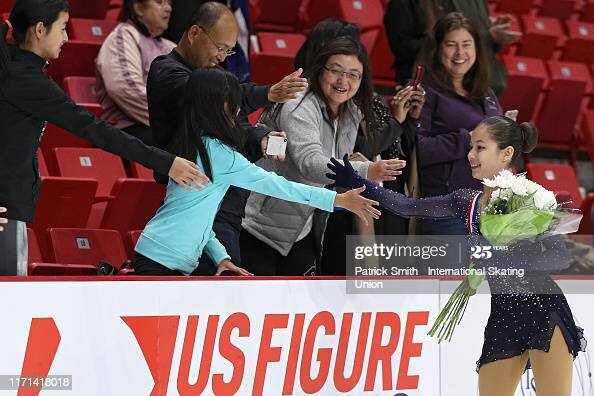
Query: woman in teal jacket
x,y
181,231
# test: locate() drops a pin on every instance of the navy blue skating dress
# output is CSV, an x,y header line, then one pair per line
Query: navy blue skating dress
x,y
524,310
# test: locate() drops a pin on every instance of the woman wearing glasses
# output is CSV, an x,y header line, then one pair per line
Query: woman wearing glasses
x,y
283,238
123,64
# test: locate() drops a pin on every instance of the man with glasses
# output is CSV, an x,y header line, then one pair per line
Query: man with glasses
x,y
210,37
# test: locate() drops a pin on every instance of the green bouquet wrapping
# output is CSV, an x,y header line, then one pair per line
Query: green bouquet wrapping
x,y
517,209
504,229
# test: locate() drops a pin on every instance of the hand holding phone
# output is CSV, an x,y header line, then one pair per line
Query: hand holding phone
x,y
277,145
419,73
418,79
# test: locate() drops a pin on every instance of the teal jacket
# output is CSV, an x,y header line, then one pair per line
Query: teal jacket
x,y
182,228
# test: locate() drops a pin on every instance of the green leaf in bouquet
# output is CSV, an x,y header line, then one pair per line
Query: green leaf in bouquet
x,y
504,229
519,202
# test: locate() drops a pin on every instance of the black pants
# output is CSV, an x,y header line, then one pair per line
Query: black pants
x,y
229,238
261,259
340,224
145,266
13,249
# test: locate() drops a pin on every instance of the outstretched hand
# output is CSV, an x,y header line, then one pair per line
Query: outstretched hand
x,y
343,175
357,204
287,88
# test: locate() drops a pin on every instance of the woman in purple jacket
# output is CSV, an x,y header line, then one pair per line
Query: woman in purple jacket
x,y
457,99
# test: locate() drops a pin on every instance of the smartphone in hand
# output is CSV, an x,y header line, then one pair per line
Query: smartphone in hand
x,y
418,79
277,145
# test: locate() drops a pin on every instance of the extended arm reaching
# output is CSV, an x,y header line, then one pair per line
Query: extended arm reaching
x,y
445,206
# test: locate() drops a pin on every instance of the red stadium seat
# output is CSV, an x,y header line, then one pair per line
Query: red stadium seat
x,y
90,30
55,136
94,163
63,202
558,115
34,254
81,89
560,9
54,269
76,59
380,57
132,204
579,46
588,11
95,9
37,267
556,177
255,116
272,55
274,15
525,80
6,5
41,164
87,246
115,11
131,238
518,7
138,171
541,35
368,14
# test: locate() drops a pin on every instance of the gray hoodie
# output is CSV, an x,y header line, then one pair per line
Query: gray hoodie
x,y
312,140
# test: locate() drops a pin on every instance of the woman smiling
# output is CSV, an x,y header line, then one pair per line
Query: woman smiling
x,y
457,99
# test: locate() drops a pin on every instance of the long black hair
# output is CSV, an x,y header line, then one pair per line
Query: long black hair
x,y
210,104
24,14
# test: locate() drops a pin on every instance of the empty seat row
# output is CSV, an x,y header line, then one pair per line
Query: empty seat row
x,y
543,36
561,9
302,15
67,202
78,251
551,94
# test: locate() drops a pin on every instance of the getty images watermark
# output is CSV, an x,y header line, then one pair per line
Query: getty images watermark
x,y
386,264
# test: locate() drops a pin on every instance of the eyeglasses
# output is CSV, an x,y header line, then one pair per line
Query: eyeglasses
x,y
352,76
221,50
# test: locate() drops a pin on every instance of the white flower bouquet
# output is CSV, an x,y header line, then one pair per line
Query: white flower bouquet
x,y
518,209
